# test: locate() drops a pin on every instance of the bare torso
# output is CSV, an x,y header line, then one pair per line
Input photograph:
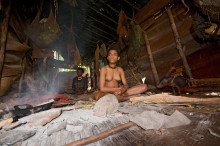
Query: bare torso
x,y
110,82
112,77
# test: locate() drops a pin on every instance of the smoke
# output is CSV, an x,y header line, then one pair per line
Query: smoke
x,y
46,78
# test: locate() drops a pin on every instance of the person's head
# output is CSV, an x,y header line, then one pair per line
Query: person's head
x,y
80,71
113,55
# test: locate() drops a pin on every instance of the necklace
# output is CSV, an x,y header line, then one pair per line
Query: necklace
x,y
112,67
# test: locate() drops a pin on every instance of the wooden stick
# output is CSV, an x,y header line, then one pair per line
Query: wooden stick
x,y
12,125
102,135
6,122
153,67
195,110
4,32
178,44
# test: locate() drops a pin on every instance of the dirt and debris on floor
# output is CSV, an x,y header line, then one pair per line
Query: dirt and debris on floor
x,y
66,123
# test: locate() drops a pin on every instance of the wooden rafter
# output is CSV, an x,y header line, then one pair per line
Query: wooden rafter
x,y
87,40
102,14
101,30
113,9
150,9
114,29
98,34
93,40
136,8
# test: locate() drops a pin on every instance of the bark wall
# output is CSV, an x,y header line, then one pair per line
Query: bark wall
x,y
12,69
163,45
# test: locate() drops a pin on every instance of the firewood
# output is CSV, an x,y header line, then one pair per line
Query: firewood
x,y
165,98
102,135
12,125
5,122
41,118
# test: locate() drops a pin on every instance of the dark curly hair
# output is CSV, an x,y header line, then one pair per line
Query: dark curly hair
x,y
80,69
114,48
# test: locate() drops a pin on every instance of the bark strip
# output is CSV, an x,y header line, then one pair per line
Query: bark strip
x,y
4,32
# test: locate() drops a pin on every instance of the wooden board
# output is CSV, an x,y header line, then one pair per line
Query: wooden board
x,y
150,9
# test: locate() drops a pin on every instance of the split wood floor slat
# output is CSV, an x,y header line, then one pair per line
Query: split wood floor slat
x,y
69,137
63,137
103,127
116,141
24,143
128,134
87,130
112,123
123,139
136,131
48,142
35,142
96,131
43,142
17,144
76,136
126,137
55,138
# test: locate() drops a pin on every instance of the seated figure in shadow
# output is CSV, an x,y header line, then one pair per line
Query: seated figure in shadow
x,y
80,83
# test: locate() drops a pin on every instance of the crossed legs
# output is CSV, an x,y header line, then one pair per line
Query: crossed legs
x,y
125,96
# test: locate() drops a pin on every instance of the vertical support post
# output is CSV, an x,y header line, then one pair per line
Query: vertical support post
x,y
4,32
153,67
178,44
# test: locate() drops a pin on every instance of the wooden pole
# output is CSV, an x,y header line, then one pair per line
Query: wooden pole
x,y
178,44
102,135
4,32
153,67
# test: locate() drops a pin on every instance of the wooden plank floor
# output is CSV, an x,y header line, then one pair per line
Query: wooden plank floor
x,y
126,137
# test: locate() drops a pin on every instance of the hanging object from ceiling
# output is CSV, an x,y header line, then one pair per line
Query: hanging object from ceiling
x,y
122,30
43,33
